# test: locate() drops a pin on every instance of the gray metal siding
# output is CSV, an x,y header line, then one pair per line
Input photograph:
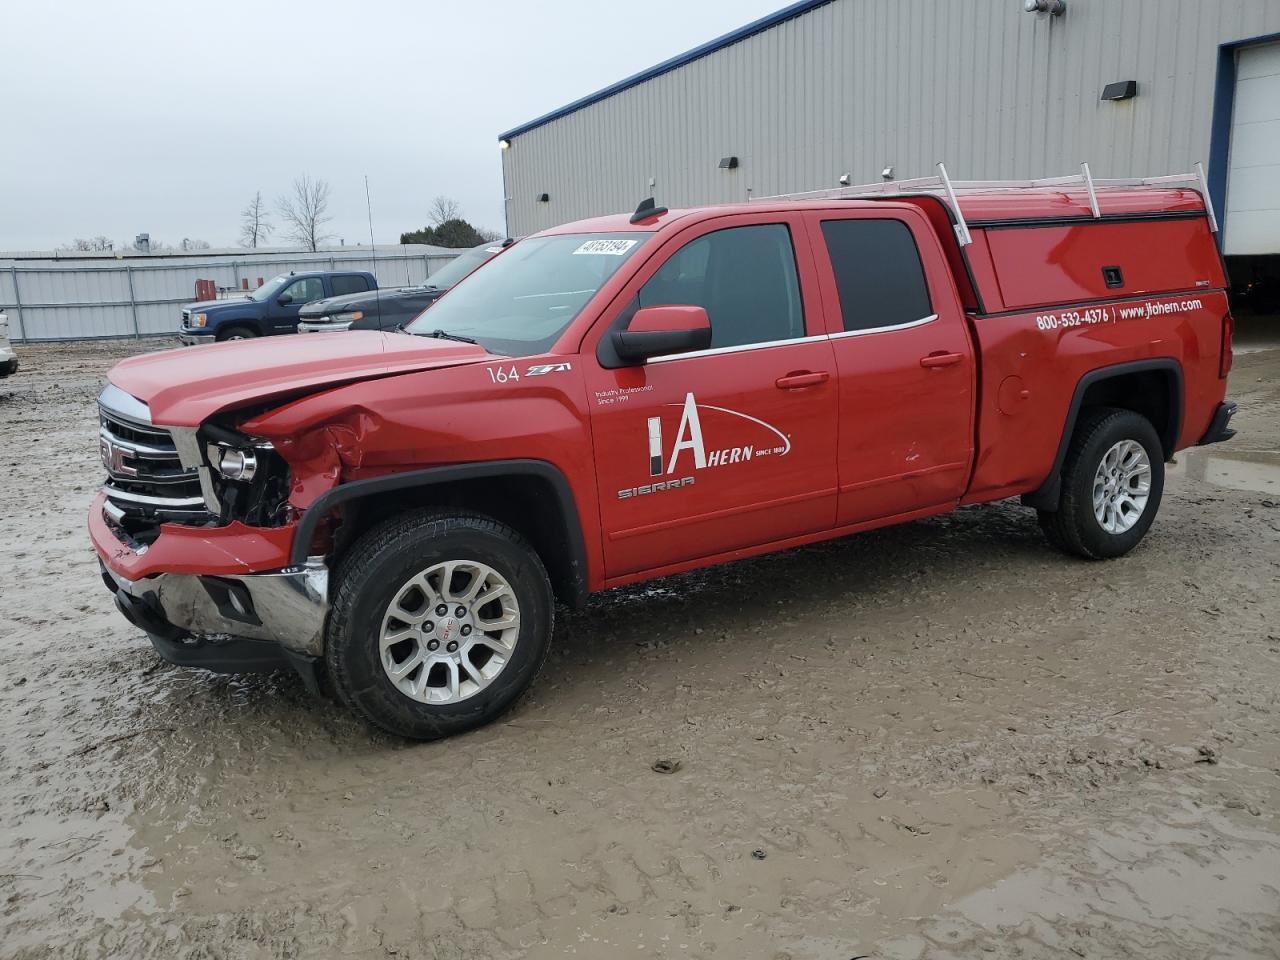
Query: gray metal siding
x,y
84,299
856,85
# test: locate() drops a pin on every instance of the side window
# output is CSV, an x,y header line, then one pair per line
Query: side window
x,y
744,277
878,273
304,291
348,283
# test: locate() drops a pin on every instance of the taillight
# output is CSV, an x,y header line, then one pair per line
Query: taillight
x,y
1224,359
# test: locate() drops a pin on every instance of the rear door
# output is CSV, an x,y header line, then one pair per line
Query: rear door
x,y
904,359
704,453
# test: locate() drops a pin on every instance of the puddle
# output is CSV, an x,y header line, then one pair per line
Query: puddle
x,y
1189,883
1257,472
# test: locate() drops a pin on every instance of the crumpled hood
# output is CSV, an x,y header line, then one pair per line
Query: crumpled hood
x,y
185,387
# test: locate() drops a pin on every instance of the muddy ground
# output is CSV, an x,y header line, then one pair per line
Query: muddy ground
x,y
940,740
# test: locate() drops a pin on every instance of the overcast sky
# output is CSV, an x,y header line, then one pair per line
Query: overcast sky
x,y
120,117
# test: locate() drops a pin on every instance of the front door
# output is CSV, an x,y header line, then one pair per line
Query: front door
x,y
283,317
706,453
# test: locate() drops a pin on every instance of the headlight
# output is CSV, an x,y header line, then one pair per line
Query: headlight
x,y
200,319
351,317
234,463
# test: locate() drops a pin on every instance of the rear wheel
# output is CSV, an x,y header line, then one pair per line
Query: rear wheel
x,y
1112,483
440,622
237,333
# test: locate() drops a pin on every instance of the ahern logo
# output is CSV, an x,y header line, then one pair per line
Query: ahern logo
x,y
689,437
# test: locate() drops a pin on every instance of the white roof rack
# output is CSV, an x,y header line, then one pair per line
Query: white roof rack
x,y
944,184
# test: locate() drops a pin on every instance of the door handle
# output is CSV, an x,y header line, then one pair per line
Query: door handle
x,y
941,359
803,378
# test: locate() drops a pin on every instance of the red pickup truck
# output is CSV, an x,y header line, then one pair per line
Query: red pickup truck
x,y
630,397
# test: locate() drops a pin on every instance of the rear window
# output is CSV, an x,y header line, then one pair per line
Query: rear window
x,y
878,273
348,284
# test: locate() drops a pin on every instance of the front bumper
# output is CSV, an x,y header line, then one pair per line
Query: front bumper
x,y
287,607
316,327
231,581
191,337
8,360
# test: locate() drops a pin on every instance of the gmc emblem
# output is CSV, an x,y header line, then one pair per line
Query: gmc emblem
x,y
113,459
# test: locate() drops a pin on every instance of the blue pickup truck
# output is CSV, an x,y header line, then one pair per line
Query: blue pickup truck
x,y
269,310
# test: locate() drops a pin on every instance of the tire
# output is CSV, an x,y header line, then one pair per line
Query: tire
x,y
237,333
1135,468
390,585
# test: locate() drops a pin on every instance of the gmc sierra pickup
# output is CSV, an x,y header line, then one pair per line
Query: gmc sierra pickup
x,y
634,396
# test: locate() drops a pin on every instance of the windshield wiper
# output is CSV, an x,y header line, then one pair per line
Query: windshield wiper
x,y
446,335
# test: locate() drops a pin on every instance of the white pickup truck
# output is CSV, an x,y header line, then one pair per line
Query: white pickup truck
x,y
8,359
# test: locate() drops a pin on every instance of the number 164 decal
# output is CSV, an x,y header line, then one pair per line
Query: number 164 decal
x,y
512,375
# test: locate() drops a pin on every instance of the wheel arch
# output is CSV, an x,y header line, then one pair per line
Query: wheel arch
x,y
1153,388
251,323
531,496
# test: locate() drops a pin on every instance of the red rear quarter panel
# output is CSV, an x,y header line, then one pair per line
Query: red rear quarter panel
x,y
1032,362
1050,317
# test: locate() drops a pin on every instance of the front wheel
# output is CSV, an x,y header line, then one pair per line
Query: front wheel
x,y
1112,483
238,333
440,622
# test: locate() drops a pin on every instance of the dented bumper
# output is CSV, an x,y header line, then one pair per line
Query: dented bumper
x,y
245,586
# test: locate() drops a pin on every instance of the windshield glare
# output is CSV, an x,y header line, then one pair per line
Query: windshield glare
x,y
268,289
461,265
521,303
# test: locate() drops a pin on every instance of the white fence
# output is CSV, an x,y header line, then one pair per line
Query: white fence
x,y
140,296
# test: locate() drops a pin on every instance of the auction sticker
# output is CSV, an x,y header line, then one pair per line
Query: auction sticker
x,y
606,248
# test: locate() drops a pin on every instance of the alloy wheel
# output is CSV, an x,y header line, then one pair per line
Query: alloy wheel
x,y
449,631
1121,486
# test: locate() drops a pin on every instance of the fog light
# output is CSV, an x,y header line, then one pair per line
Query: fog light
x,y
234,464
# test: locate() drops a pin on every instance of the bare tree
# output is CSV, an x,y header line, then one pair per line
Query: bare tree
x,y
304,212
490,236
98,243
255,224
443,209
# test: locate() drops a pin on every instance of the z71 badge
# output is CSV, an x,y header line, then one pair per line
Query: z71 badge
x,y
542,369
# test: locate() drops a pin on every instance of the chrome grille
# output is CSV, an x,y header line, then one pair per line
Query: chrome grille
x,y
146,482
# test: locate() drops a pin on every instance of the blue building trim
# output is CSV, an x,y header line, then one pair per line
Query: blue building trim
x,y
1224,100
742,33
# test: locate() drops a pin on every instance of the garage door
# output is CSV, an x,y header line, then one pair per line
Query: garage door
x,y
1253,180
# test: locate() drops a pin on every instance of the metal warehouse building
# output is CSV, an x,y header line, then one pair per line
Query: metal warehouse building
x,y
825,88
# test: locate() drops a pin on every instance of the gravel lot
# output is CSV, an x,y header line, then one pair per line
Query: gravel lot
x,y
940,740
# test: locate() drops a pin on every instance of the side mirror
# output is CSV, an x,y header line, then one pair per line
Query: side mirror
x,y
284,299
657,331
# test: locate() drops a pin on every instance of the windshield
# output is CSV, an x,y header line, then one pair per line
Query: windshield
x,y
461,265
521,303
268,289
